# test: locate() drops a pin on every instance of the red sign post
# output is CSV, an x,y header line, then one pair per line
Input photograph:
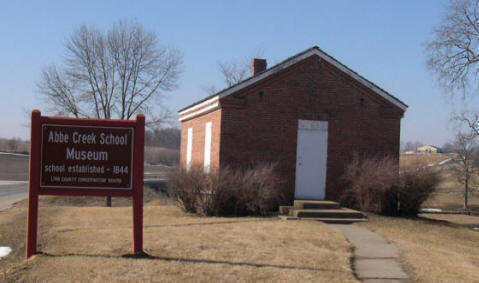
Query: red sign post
x,y
86,157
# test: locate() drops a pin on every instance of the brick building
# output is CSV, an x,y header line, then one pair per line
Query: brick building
x,y
309,114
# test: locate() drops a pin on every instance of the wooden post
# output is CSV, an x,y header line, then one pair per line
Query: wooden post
x,y
34,184
138,184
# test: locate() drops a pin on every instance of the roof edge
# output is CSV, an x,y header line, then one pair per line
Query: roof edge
x,y
290,61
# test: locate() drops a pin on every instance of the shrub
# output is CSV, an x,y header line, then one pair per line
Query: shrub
x,y
375,185
368,183
416,187
186,186
224,192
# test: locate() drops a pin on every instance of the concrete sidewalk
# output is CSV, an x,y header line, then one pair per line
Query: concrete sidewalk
x,y
375,260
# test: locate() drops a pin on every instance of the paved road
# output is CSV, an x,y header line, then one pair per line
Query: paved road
x,y
14,176
12,192
13,167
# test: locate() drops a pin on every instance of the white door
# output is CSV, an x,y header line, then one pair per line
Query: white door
x,y
311,157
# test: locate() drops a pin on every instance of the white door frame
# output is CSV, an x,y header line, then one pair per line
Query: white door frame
x,y
311,159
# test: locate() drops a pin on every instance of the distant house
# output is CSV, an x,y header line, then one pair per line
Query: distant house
x,y
309,114
429,149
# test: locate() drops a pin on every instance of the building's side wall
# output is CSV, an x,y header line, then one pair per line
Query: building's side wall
x,y
428,149
198,125
259,123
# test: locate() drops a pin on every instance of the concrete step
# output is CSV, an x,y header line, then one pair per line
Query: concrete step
x,y
315,204
340,220
284,209
326,213
325,220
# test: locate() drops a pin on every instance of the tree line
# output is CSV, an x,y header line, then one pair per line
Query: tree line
x,y
163,137
14,145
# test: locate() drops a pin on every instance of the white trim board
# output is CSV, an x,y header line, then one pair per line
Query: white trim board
x,y
206,102
202,110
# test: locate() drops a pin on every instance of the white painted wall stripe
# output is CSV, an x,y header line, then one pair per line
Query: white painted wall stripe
x,y
207,157
189,149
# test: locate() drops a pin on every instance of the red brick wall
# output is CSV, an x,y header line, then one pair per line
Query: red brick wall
x,y
259,123
198,124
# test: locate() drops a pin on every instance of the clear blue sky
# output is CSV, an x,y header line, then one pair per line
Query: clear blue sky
x,y
382,40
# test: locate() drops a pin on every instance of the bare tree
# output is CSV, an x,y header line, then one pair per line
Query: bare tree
x,y
466,149
453,53
210,89
234,72
112,74
470,120
164,137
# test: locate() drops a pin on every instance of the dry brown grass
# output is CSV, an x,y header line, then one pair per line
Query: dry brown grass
x,y
448,201
459,219
408,161
432,250
448,195
88,244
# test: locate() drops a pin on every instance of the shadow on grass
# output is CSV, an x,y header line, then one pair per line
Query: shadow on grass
x,y
441,222
210,223
184,224
192,260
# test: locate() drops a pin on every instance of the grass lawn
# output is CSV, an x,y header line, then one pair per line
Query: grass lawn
x,y
449,195
90,244
407,161
433,250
